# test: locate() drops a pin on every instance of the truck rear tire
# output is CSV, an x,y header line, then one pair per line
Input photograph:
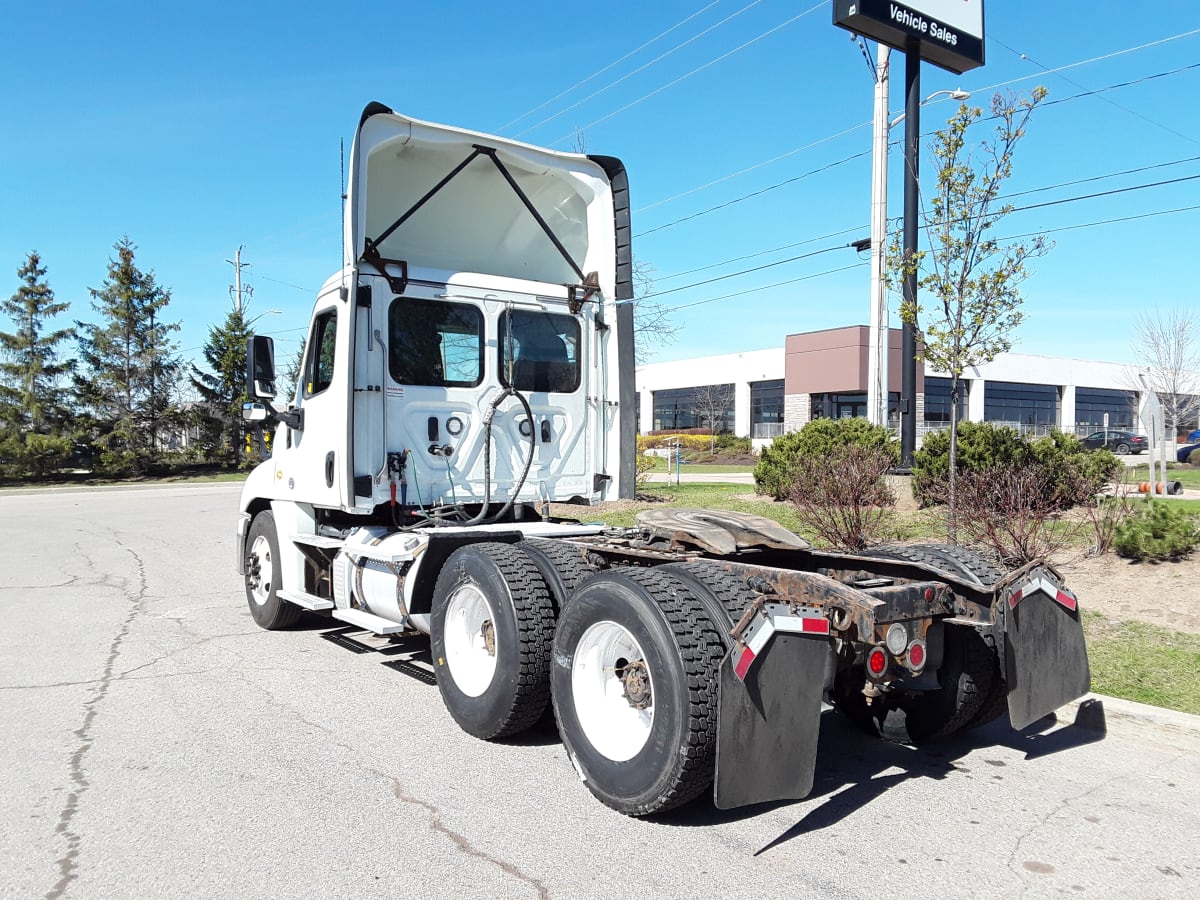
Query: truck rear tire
x,y
263,581
634,679
918,717
490,631
561,564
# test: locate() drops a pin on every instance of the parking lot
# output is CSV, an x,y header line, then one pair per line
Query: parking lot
x,y
156,743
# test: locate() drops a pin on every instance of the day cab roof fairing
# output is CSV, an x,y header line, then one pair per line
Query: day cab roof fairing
x,y
445,200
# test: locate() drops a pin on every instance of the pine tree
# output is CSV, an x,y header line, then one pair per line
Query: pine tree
x,y
130,363
30,367
224,387
31,416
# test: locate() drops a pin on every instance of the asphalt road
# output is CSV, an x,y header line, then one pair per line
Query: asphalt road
x,y
156,743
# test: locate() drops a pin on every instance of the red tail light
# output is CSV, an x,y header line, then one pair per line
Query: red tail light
x,y
877,662
916,656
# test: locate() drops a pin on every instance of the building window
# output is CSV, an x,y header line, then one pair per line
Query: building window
x,y
678,409
850,406
1091,405
937,401
1026,407
766,408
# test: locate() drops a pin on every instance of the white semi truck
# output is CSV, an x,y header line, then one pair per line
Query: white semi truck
x,y
471,363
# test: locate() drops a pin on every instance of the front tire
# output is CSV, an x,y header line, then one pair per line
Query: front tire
x,y
634,680
263,576
491,630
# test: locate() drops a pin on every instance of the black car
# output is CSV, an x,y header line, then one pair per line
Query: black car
x,y
1116,441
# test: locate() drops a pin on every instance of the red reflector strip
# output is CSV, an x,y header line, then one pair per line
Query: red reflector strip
x,y
814,625
1014,598
1066,600
743,664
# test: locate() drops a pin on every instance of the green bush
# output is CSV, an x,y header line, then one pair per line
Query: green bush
x,y
1070,474
1194,457
1157,531
777,464
732,445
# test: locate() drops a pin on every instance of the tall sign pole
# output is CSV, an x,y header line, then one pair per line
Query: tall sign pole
x,y
947,33
877,383
912,163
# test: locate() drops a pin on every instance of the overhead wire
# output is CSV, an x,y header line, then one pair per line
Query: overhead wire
x,y
611,65
640,68
851,129
1069,80
695,71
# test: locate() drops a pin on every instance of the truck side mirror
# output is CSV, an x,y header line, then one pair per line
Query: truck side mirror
x,y
254,412
260,367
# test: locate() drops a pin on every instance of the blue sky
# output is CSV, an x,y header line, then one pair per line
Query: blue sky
x,y
195,128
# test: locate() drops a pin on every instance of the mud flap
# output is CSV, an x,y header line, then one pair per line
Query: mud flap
x,y
767,725
1045,660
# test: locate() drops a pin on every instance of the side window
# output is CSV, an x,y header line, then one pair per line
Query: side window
x,y
432,342
539,351
322,349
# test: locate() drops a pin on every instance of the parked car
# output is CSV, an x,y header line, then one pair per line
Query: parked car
x,y
1116,441
1186,450
1193,437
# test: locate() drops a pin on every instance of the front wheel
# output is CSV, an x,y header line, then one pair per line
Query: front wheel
x,y
491,629
270,611
634,682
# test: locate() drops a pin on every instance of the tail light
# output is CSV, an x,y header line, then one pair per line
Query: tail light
x,y
877,662
917,655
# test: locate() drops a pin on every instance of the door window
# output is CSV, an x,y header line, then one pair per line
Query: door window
x,y
322,352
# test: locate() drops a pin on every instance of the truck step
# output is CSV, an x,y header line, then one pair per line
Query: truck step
x,y
308,601
317,540
369,621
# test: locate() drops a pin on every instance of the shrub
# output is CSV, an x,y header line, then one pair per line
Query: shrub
x,y
1194,457
776,470
842,494
1068,473
1157,531
1009,508
732,445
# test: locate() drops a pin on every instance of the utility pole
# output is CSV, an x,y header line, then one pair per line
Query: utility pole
x,y
912,137
877,342
236,290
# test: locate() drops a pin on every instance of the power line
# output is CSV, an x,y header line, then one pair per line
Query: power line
x,y
1149,215
696,71
1124,190
1107,100
766,287
629,75
1050,187
734,259
769,265
772,187
851,129
1085,62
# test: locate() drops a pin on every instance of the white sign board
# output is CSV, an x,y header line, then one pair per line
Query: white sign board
x,y
948,33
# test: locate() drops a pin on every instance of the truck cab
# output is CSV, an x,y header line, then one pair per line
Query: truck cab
x,y
466,358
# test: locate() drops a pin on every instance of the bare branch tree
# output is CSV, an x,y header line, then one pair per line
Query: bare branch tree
x,y
1168,347
652,325
712,402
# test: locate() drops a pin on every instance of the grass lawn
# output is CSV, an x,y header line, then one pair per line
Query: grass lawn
x,y
660,465
1143,662
89,480
1188,476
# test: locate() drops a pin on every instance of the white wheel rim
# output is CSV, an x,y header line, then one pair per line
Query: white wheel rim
x,y
260,551
471,663
610,721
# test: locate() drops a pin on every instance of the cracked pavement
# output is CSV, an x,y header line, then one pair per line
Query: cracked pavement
x,y
156,743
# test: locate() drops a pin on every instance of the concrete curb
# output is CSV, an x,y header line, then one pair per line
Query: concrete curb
x,y
1139,720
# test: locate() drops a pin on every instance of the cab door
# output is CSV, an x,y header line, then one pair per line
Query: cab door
x,y
315,467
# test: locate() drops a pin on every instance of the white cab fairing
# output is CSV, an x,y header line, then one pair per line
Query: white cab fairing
x,y
474,265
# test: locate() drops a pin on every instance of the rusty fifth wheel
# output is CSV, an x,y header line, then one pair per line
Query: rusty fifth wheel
x,y
635,689
491,630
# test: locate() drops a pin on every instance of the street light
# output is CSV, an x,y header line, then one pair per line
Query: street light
x,y
877,341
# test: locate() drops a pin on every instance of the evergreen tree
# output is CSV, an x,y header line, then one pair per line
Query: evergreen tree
x,y
130,364
223,387
31,416
30,368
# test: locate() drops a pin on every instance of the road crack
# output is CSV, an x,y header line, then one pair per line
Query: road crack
x,y
68,863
